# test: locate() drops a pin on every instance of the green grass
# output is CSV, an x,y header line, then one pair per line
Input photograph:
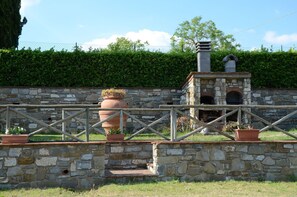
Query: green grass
x,y
264,136
171,188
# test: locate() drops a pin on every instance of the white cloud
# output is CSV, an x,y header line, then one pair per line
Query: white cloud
x,y
25,4
272,38
157,40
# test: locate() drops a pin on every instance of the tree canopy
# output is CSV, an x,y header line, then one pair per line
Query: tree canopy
x,y
10,23
124,44
190,32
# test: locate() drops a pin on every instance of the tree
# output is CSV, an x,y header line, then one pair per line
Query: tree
x,y
124,44
190,32
10,23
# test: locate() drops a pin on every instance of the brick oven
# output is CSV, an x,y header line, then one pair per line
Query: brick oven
x,y
215,88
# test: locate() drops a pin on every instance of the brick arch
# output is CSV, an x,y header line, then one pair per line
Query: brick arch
x,y
234,97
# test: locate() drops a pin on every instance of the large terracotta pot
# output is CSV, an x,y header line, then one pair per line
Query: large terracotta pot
x,y
20,139
112,102
247,135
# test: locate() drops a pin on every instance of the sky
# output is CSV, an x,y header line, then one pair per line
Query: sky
x,y
60,24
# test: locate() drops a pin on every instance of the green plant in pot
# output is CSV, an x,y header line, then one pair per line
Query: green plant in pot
x,y
115,134
242,132
15,134
112,92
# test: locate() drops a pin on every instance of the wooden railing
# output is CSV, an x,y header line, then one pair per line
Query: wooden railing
x,y
165,113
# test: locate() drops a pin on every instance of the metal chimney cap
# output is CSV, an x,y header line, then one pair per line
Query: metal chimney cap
x,y
230,57
203,46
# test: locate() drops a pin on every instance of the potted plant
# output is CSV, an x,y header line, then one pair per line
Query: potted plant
x,y
112,98
243,132
115,135
15,135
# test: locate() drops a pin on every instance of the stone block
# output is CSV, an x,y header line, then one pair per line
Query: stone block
x,y
247,157
260,157
14,171
256,149
43,152
3,153
133,148
194,170
8,161
25,160
55,170
217,155
15,152
87,157
121,156
237,165
46,161
99,162
242,148
170,170
83,165
268,161
289,146
293,161
229,148
167,160
174,152
118,149
257,165
203,155
209,168
182,168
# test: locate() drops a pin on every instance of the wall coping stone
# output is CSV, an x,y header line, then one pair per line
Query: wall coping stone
x,y
53,143
229,142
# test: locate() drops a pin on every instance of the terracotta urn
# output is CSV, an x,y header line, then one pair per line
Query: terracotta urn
x,y
112,101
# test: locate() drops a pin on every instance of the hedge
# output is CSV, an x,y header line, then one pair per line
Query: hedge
x,y
135,69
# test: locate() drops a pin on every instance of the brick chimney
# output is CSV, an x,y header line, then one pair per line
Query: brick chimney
x,y
203,49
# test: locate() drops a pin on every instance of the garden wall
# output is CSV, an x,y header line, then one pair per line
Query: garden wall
x,y
70,165
274,161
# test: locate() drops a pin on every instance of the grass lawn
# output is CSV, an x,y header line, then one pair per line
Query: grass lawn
x,y
171,188
264,136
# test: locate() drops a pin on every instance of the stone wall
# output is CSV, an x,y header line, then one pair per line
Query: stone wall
x,y
274,161
136,97
128,155
70,165
276,97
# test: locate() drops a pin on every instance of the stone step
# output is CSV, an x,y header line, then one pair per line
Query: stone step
x,y
124,176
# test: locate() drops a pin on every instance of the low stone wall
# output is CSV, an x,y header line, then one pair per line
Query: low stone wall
x,y
273,161
70,165
128,155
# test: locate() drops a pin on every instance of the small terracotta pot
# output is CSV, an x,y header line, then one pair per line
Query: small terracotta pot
x,y
247,134
20,139
115,137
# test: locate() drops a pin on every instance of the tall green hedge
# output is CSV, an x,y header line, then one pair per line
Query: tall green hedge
x,y
134,69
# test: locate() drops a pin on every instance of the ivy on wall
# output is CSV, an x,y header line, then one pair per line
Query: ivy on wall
x,y
135,69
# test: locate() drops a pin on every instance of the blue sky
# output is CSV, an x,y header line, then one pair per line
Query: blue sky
x,y
62,23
